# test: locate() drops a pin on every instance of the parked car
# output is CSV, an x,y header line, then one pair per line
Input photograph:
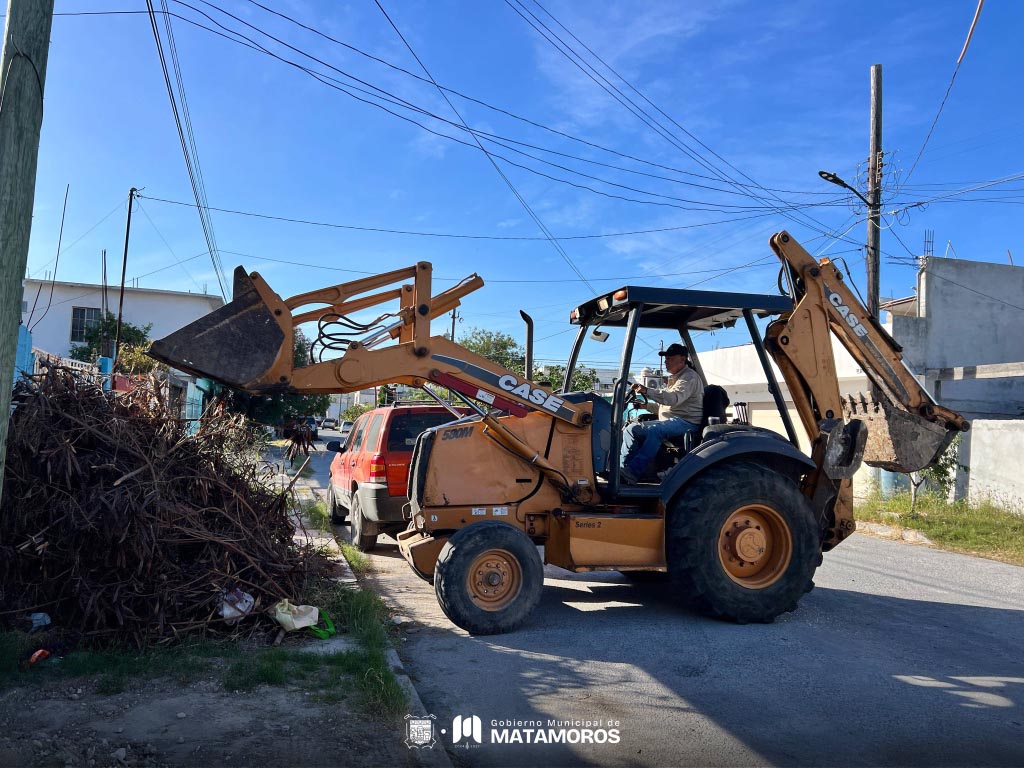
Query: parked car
x,y
329,423
345,428
369,473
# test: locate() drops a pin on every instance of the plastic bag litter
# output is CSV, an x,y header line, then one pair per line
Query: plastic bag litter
x,y
235,605
293,617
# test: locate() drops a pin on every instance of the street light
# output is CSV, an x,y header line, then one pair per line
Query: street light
x,y
831,177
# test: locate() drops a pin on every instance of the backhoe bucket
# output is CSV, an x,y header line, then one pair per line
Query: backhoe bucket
x,y
236,344
898,440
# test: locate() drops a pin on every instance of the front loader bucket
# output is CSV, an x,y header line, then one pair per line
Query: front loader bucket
x,y
898,440
235,345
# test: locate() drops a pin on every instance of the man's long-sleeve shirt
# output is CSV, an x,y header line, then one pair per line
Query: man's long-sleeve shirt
x,y
683,398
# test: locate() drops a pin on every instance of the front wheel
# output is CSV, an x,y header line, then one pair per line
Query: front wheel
x,y
488,578
742,543
338,513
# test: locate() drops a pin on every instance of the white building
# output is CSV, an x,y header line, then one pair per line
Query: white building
x,y
60,322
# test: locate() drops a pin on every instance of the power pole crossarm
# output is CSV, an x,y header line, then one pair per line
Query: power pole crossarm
x,y
22,75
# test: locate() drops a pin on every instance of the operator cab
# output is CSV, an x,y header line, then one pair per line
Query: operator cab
x,y
679,311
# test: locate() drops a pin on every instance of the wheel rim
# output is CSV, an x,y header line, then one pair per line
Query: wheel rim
x,y
495,579
755,546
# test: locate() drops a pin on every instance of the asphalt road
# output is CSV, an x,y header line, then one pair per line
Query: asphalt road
x,y
902,655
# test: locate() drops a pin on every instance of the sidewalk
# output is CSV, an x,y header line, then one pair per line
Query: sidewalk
x,y
314,488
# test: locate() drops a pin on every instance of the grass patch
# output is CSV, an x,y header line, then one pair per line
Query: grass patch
x,y
332,677
316,512
984,529
358,560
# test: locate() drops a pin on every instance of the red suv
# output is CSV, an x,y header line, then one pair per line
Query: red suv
x,y
369,474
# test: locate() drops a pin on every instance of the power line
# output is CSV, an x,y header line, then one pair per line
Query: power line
x,y
475,134
949,88
164,239
457,236
638,111
80,238
526,206
192,167
513,115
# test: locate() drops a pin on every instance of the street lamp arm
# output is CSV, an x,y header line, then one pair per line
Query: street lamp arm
x,y
833,179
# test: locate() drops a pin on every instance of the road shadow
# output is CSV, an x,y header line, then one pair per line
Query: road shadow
x,y
848,679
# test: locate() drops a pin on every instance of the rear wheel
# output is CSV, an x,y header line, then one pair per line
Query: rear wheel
x,y
338,513
742,543
361,540
488,578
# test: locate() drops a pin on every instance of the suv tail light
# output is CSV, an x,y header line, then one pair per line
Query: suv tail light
x,y
378,469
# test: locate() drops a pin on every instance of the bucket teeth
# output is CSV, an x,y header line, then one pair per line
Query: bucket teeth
x,y
898,440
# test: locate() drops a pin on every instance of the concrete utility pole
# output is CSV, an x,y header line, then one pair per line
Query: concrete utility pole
x,y
874,190
22,75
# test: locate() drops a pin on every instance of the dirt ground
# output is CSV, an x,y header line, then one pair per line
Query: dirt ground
x,y
166,723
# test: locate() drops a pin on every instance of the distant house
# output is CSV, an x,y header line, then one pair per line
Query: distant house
x,y
59,322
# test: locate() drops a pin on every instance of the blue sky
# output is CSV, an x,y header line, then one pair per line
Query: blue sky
x,y
776,90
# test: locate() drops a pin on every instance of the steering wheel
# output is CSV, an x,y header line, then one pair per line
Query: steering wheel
x,y
635,401
636,398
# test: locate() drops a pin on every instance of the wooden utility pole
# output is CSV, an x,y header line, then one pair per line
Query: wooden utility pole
x,y
124,267
874,190
22,75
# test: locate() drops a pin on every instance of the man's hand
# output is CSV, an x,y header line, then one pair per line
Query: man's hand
x,y
640,388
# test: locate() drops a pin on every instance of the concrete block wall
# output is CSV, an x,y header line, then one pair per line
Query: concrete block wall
x,y
992,452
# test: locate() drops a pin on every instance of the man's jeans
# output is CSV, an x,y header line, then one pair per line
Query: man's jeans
x,y
640,441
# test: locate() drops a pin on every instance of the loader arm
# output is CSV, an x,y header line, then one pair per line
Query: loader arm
x,y
248,344
906,430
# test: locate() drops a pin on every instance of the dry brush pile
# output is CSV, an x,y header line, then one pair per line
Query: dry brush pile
x,y
122,526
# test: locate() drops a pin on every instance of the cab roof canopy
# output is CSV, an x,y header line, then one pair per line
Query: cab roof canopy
x,y
674,308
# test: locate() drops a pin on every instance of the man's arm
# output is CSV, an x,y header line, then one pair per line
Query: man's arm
x,y
678,393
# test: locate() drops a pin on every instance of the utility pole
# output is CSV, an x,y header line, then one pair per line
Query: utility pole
x,y
22,75
453,323
124,267
874,190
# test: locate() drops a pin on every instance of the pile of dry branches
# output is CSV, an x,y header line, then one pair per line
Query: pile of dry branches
x,y
122,526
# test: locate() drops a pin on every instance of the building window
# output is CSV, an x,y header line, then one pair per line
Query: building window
x,y
83,318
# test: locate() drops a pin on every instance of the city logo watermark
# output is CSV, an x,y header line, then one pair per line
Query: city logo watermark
x,y
469,729
419,731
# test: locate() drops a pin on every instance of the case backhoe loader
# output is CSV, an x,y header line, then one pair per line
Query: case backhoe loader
x,y
739,521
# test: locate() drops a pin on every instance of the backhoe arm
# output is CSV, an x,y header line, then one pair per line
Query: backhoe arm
x,y
906,430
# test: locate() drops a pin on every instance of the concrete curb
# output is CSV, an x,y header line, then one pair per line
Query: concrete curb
x,y
437,757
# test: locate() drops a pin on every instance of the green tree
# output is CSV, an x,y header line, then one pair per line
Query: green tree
x,y
385,395
504,350
279,408
497,347
353,412
100,337
583,379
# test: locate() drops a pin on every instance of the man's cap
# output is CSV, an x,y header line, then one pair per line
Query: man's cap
x,y
675,349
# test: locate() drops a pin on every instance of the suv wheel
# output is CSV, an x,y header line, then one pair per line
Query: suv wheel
x,y
362,541
338,513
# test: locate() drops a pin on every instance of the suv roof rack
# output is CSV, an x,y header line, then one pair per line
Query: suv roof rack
x,y
414,402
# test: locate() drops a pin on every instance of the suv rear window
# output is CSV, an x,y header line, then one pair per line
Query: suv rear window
x,y
406,427
371,435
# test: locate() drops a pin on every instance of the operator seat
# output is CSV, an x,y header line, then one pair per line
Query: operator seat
x,y
713,406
